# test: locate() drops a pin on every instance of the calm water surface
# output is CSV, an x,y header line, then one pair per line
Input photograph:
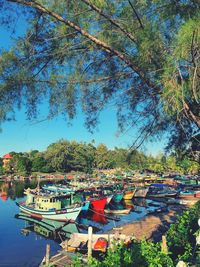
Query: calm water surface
x,y
16,249
19,249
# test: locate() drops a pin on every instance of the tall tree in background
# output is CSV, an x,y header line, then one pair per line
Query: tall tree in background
x,y
140,56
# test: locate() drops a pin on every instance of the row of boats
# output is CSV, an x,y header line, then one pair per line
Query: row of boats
x,y
64,203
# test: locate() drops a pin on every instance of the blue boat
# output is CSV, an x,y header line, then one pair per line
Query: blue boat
x,y
117,197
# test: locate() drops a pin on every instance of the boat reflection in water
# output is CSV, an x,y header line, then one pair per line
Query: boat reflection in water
x,y
142,202
128,204
99,217
54,230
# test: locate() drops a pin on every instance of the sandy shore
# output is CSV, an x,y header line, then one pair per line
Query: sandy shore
x,y
152,226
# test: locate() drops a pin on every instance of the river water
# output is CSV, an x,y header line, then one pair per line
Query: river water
x,y
23,241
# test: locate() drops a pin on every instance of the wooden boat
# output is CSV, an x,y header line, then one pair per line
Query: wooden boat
x,y
109,198
117,197
117,212
141,192
57,188
161,191
189,194
78,239
50,206
101,244
128,195
98,203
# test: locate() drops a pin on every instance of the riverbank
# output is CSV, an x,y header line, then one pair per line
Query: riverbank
x,y
153,226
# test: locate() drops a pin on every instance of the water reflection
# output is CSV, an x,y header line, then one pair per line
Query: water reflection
x,y
57,231
15,189
99,217
23,239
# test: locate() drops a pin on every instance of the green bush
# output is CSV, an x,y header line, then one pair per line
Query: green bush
x,y
181,241
181,238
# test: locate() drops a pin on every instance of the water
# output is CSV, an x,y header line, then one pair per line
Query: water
x,y
21,246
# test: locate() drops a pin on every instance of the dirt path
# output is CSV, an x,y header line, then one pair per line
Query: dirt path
x,y
153,226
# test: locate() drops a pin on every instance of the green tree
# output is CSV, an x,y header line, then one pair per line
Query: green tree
x,y
58,156
38,164
20,164
119,157
141,56
102,157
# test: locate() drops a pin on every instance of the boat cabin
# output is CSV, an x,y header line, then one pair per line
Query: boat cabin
x,y
46,202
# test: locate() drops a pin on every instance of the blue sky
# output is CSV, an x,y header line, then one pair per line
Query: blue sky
x,y
22,135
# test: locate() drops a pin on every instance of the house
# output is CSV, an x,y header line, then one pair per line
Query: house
x,y
6,160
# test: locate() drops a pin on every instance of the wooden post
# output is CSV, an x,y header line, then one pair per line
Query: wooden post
x,y
89,241
164,245
47,257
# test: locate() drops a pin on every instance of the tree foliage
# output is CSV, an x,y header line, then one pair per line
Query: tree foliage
x,y
140,56
66,156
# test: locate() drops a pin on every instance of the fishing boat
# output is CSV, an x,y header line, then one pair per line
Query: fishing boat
x,y
160,191
141,192
128,194
57,188
50,206
189,194
117,197
98,203
100,242
117,212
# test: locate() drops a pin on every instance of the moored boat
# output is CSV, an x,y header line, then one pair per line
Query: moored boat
x,y
98,203
117,212
50,206
117,197
189,194
99,241
128,195
141,192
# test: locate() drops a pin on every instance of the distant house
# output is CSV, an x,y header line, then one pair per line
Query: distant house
x,y
6,159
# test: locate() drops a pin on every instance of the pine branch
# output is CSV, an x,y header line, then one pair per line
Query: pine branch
x,y
104,46
117,25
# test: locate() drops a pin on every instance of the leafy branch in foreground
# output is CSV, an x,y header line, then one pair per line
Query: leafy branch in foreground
x,y
141,57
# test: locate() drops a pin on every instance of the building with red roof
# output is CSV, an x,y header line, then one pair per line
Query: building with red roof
x,y
6,159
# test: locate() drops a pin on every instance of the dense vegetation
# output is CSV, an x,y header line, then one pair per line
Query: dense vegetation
x,y
181,241
139,57
66,156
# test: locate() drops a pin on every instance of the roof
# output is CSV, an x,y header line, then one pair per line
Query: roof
x,y
4,197
7,156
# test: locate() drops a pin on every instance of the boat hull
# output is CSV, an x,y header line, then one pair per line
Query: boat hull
x,y
117,197
141,192
118,212
128,195
85,206
64,215
98,203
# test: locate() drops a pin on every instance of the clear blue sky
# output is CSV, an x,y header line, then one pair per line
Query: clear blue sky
x,y
22,135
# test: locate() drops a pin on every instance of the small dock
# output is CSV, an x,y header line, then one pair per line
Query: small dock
x,y
61,259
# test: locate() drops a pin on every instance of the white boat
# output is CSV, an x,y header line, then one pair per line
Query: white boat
x,y
124,211
50,206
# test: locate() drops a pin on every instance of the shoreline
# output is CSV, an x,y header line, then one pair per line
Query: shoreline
x,y
152,226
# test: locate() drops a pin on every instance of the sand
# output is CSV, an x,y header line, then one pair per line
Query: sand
x,y
152,226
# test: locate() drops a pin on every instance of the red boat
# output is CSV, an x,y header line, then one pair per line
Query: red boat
x,y
101,244
99,217
98,203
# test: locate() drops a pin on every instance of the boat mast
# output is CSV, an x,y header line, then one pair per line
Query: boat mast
x,y
38,186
